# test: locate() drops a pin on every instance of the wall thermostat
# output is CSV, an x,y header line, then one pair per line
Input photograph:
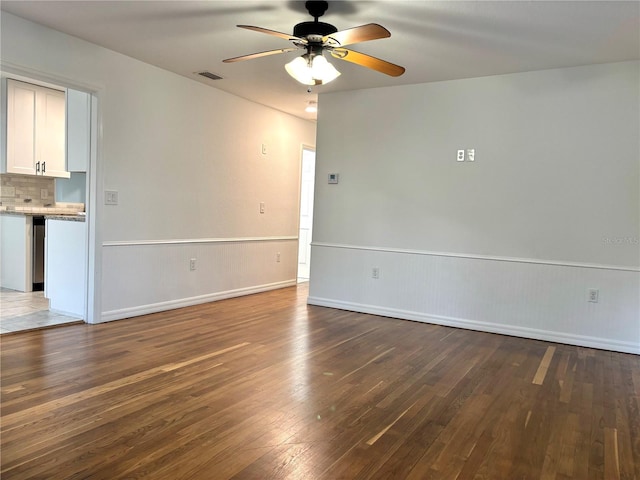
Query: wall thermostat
x,y
333,177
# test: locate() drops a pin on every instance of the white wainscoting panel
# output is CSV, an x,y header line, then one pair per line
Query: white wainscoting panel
x,y
520,297
158,275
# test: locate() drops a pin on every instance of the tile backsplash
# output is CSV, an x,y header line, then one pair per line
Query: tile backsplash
x,y
26,190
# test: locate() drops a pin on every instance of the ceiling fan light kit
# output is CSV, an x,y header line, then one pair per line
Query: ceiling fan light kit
x,y
312,70
316,37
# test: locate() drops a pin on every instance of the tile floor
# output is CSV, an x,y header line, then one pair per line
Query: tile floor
x,y
27,311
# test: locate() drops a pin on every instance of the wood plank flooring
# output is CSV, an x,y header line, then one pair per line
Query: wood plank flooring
x,y
267,387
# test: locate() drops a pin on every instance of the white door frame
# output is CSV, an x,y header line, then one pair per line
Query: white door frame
x,y
303,148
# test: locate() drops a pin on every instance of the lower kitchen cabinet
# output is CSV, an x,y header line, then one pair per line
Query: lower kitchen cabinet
x,y
16,252
65,272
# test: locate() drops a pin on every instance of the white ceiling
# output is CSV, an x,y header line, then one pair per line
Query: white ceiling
x,y
434,40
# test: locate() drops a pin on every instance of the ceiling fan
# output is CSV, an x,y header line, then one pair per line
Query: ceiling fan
x,y
315,38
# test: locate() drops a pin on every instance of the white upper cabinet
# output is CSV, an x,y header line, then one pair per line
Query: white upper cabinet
x,y
51,133
36,137
78,130
21,127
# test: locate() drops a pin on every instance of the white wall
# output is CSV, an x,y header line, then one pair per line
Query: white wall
x,y
72,189
509,243
186,161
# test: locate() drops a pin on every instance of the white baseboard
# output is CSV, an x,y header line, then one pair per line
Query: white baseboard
x,y
187,302
523,332
79,316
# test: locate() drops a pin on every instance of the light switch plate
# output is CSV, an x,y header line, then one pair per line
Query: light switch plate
x,y
110,197
471,154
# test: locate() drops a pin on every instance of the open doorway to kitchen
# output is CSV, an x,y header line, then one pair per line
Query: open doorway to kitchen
x,y
306,212
55,293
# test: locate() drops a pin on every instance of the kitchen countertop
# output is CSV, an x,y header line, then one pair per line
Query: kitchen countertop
x,y
69,218
54,213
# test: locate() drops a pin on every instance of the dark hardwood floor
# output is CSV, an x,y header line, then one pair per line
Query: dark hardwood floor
x,y
266,387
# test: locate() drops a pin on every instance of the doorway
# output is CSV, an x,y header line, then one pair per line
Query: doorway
x,y
306,213
28,310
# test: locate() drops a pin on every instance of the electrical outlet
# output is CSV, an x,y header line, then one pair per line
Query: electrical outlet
x,y
192,264
460,156
44,193
593,294
278,257
375,273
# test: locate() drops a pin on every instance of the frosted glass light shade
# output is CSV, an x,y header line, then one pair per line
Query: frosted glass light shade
x,y
323,70
316,72
299,70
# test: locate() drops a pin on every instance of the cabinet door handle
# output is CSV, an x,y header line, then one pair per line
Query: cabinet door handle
x,y
44,167
37,167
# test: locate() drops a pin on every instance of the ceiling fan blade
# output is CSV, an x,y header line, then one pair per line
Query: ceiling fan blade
x,y
286,36
259,54
363,33
368,61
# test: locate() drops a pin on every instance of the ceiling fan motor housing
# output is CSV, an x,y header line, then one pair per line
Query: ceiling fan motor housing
x,y
304,29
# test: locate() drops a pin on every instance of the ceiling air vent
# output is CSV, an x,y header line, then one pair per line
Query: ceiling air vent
x,y
210,76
